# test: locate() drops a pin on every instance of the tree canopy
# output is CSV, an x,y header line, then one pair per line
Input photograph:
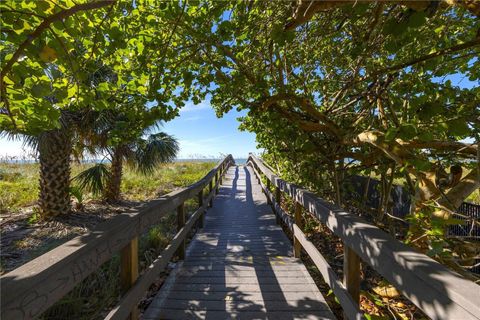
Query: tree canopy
x,y
98,55
330,86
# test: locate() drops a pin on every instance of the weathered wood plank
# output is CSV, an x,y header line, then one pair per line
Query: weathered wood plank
x,y
243,296
129,270
180,225
351,273
297,246
245,305
247,315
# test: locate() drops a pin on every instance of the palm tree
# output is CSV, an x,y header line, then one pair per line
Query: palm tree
x,y
54,148
143,154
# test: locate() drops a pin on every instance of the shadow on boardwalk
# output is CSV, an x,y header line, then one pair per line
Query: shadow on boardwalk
x,y
240,266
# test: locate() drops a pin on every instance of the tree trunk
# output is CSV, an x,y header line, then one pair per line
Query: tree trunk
x,y
54,155
112,191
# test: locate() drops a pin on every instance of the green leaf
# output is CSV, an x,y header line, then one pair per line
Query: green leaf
x,y
40,90
421,165
390,134
407,132
417,19
458,127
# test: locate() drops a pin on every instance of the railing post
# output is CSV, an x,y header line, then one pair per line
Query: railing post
x,y
351,272
278,200
180,224
200,204
129,270
297,247
210,188
216,182
266,192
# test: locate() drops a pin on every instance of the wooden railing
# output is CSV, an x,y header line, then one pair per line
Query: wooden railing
x,y
436,290
31,289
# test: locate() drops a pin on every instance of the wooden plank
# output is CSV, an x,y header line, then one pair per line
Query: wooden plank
x,y
252,272
210,189
248,315
180,225
277,207
349,305
351,273
200,204
201,287
225,266
234,280
129,270
297,246
243,296
268,189
438,291
249,305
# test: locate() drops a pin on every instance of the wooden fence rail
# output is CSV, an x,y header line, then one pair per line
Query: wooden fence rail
x,y
436,290
31,289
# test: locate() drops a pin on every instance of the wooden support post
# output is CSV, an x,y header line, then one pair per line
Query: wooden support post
x,y
129,270
200,204
180,224
266,192
210,188
278,200
351,272
297,247
216,180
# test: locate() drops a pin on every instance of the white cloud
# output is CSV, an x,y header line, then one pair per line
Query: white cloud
x,y
191,107
193,118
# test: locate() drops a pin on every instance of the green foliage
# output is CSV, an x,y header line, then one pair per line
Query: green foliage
x,y
35,217
123,56
77,192
92,179
17,186
156,149
22,190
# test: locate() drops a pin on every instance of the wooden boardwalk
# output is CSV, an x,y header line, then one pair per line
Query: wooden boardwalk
x,y
240,266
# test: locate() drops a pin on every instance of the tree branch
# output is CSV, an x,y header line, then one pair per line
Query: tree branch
x,y
45,24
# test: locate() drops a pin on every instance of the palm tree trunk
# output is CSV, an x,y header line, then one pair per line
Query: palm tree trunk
x,y
54,155
112,192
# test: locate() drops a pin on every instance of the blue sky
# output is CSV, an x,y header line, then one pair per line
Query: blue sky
x,y
199,131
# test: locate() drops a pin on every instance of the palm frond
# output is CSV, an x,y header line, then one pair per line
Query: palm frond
x,y
27,140
93,179
154,127
157,148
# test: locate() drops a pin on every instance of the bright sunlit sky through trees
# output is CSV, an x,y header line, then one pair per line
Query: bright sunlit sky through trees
x,y
202,135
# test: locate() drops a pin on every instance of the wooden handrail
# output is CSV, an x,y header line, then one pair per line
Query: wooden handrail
x,y
32,288
435,289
